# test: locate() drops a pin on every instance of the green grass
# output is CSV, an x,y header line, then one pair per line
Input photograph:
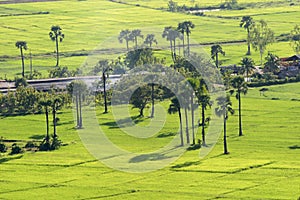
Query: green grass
x,y
91,24
262,164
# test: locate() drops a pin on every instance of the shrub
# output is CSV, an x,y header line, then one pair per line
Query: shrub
x,y
30,144
3,148
53,144
56,143
15,149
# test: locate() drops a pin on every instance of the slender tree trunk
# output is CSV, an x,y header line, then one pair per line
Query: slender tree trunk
x,y
47,124
30,57
188,43
77,110
193,118
127,47
142,112
187,126
104,92
152,100
248,42
135,42
261,55
22,58
174,46
57,53
80,111
172,53
203,126
54,121
183,44
217,60
180,123
240,115
225,136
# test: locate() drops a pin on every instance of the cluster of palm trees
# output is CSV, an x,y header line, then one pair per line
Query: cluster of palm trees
x,y
55,35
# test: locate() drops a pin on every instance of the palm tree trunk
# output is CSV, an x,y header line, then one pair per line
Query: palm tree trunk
x,y
183,44
54,121
187,126
104,92
127,47
225,136
248,42
174,46
80,111
152,99
193,118
77,110
240,115
203,126
217,60
57,53
188,41
47,124
180,123
22,58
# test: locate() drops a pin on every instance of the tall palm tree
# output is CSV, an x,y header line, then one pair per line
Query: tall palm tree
x,y
248,66
105,68
188,25
204,101
134,36
247,23
223,109
56,35
174,108
22,45
125,35
215,50
240,85
171,35
55,103
150,39
181,28
46,103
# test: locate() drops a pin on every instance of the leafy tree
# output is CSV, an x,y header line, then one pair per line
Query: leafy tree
x,y
174,108
77,89
57,36
150,39
140,98
295,39
247,23
22,45
134,36
125,35
223,109
261,36
172,6
247,65
20,82
240,86
215,50
272,63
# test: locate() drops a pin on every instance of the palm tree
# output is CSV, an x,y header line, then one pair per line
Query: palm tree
x,y
224,107
181,28
22,45
46,103
204,101
150,39
248,66
173,108
240,85
247,23
272,63
171,35
188,25
215,50
56,103
125,35
56,35
134,35
106,67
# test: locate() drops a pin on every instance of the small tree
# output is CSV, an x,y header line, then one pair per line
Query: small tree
x,y
22,45
150,39
261,36
57,36
140,98
295,39
125,35
215,50
272,63
134,36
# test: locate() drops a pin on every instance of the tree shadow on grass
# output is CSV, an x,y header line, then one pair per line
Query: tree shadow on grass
x,y
37,137
163,135
6,159
186,164
148,157
126,122
294,147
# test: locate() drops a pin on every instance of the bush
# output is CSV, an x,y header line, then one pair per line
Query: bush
x,y
15,149
56,143
3,148
53,144
29,145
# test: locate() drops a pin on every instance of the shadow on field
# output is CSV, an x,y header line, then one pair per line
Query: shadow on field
x,y
3,160
126,122
149,157
294,147
37,137
163,135
186,164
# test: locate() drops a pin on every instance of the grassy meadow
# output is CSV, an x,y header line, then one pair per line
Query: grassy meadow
x,y
87,24
263,164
